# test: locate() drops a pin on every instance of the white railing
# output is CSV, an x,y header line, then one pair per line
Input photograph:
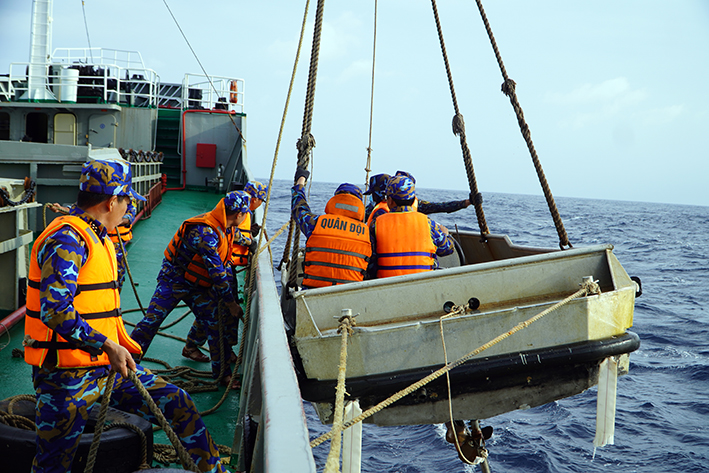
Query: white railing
x,y
102,76
212,92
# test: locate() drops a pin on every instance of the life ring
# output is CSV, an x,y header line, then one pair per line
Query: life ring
x,y
234,95
120,450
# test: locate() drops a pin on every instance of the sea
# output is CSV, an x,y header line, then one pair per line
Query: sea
x,y
662,412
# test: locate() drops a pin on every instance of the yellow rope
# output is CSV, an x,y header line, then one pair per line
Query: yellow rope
x,y
588,287
367,168
333,458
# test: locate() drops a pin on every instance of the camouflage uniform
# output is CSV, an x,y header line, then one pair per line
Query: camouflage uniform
x,y
198,334
172,287
65,395
399,188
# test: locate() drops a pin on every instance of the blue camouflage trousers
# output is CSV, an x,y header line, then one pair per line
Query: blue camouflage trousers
x,y
204,304
65,396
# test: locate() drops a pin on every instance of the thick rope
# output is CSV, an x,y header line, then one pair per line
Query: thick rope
x,y
100,423
184,456
333,458
508,88
588,287
368,168
459,130
307,142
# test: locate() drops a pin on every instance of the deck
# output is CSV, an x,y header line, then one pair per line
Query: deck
x,y
145,254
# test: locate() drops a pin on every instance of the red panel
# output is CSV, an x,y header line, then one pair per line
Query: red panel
x,y
206,155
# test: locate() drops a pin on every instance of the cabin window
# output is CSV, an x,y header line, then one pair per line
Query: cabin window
x,y
65,129
36,127
4,126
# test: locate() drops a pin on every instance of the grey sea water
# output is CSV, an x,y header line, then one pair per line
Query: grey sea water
x,y
662,419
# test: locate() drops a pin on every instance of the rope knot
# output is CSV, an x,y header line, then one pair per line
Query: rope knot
x,y
508,87
347,321
590,285
305,144
458,124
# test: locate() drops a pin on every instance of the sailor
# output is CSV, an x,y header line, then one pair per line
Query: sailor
x,y
74,333
239,258
378,206
405,241
338,248
194,270
249,228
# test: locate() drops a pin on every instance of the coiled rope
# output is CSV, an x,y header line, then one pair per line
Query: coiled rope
x,y
459,130
508,88
587,287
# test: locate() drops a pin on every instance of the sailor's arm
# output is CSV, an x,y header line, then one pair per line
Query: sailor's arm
x,y
443,241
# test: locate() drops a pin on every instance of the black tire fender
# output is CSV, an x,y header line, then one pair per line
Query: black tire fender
x,y
120,450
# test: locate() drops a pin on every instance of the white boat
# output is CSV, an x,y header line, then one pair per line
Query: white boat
x,y
398,340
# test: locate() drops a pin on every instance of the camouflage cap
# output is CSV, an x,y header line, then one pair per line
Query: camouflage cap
x,y
349,189
378,184
401,188
256,190
110,176
237,201
407,174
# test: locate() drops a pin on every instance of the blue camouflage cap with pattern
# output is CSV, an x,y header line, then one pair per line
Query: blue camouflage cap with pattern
x,y
237,201
378,184
110,176
256,190
407,174
347,188
401,188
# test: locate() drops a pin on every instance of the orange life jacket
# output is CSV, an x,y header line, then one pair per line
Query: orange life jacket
x,y
404,244
196,271
240,253
96,300
381,205
339,248
126,230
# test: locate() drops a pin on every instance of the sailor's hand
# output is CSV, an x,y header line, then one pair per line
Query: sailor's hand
x,y
301,175
119,357
57,208
235,309
475,198
253,247
255,228
443,229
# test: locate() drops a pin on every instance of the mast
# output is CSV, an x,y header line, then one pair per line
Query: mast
x,y
40,50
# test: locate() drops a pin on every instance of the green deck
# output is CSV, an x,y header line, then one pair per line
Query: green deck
x,y
145,254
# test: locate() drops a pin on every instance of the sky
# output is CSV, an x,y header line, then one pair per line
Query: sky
x,y
613,92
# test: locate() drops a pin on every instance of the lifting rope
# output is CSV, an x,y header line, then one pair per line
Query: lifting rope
x,y
508,88
306,142
459,130
588,286
367,168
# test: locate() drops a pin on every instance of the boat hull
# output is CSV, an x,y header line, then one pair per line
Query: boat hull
x,y
400,334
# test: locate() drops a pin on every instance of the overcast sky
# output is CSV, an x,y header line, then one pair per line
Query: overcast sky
x,y
614,92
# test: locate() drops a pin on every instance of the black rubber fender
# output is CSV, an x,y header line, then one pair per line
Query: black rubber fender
x,y
120,450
